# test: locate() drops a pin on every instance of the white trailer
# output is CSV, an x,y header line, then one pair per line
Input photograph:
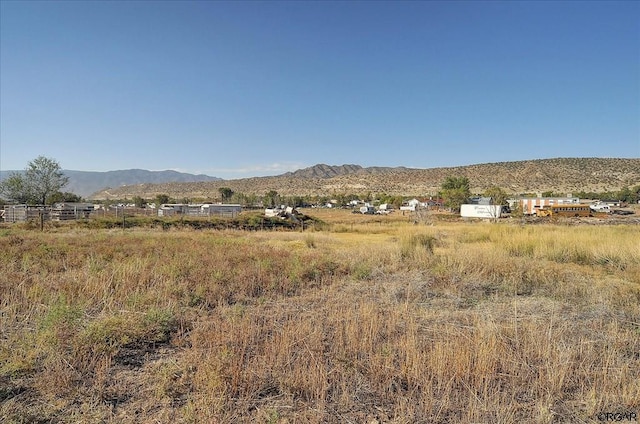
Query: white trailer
x,y
481,211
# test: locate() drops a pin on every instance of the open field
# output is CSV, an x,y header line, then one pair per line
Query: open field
x,y
366,319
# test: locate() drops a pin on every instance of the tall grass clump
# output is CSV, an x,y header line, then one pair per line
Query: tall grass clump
x,y
414,245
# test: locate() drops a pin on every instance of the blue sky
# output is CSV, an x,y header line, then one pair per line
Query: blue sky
x,y
238,89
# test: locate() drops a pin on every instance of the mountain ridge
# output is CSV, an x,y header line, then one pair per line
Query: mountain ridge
x,y
560,175
324,171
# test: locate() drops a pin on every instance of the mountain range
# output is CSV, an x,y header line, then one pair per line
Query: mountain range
x,y
560,175
85,183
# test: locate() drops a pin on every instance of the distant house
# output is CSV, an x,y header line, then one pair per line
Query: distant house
x,y
415,204
529,205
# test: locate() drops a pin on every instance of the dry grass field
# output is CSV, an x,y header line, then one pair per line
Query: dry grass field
x,y
372,319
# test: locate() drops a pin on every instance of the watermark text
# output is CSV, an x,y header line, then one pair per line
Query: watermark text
x,y
617,416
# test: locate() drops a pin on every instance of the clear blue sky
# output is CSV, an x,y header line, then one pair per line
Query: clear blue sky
x,y
237,89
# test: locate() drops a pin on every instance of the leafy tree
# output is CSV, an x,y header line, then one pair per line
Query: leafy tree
x,y
341,199
45,177
271,199
549,194
59,197
397,201
15,188
246,200
636,193
138,201
161,199
41,178
629,195
297,201
497,194
455,192
321,200
384,198
225,193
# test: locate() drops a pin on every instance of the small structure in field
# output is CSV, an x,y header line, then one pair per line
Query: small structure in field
x,y
200,209
64,211
22,213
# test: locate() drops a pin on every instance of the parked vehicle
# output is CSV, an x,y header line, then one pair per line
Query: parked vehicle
x,y
565,210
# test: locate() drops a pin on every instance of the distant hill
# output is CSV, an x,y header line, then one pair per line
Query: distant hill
x,y
85,183
329,171
324,171
561,175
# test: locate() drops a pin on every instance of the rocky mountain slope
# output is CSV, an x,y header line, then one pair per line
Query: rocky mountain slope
x,y
562,175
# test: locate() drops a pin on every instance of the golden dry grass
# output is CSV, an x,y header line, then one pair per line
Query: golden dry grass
x,y
367,320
